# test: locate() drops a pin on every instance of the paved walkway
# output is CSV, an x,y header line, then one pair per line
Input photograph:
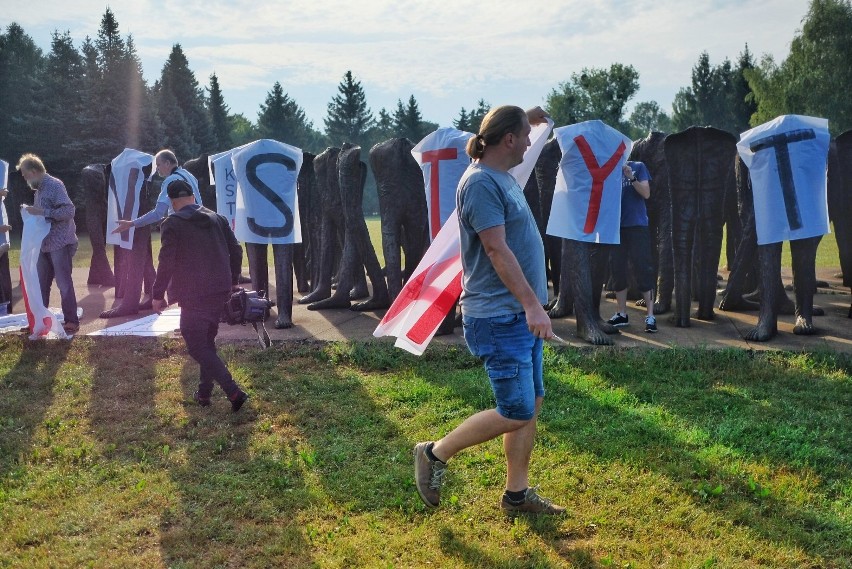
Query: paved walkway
x,y
727,330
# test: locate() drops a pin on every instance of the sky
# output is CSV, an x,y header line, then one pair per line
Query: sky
x,y
448,54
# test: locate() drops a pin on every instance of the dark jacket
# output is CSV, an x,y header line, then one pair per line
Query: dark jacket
x,y
199,254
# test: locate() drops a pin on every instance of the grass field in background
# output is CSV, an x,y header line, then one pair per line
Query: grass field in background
x,y
827,254
677,458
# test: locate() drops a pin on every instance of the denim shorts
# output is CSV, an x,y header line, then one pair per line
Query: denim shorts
x,y
512,358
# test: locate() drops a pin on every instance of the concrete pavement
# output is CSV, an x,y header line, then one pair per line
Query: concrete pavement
x,y
834,330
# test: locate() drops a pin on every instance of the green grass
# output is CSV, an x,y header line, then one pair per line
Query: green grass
x,y
677,458
827,253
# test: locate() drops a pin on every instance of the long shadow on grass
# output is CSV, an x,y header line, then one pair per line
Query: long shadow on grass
x,y
240,488
28,388
612,426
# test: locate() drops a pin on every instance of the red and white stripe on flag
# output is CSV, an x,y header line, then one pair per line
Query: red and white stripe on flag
x,y
443,159
587,200
435,285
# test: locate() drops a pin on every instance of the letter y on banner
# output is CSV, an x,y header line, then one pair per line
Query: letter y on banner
x,y
587,200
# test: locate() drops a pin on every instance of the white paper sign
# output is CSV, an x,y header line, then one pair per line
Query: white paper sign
x,y
4,215
267,204
587,200
43,323
787,159
125,185
443,159
225,179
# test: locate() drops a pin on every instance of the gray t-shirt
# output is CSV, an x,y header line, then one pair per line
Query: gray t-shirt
x,y
488,198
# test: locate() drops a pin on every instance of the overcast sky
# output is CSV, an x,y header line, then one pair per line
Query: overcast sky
x,y
447,53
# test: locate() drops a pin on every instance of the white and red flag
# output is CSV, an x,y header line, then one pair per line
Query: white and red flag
x,y
435,285
43,323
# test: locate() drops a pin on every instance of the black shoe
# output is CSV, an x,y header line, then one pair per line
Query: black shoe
x,y
618,320
236,403
200,400
145,305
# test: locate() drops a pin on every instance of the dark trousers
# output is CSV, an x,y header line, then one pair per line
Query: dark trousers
x,y
136,266
57,265
5,281
199,324
635,248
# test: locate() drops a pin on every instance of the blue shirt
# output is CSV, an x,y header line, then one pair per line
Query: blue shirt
x,y
488,198
164,204
633,211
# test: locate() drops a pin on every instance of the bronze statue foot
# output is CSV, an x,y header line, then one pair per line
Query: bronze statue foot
x,y
737,304
359,292
593,335
607,328
560,309
303,288
803,327
761,333
336,301
372,304
283,323
315,296
706,315
662,307
817,311
678,321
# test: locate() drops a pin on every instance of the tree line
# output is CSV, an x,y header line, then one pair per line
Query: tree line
x,y
79,105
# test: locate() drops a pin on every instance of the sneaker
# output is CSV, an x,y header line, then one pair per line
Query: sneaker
x,y
650,324
532,504
428,475
238,401
618,320
204,402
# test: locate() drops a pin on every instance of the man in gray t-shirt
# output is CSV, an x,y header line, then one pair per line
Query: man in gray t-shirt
x,y
504,288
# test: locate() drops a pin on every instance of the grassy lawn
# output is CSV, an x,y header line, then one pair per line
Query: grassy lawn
x,y
827,255
676,458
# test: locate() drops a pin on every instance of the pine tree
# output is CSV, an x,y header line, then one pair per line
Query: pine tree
x,y
178,90
218,111
349,119
463,122
280,118
475,117
21,64
407,120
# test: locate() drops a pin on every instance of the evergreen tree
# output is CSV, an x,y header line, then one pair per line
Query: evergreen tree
x,y
349,119
218,111
116,109
475,117
718,96
407,120
21,65
179,94
61,103
280,118
384,128
463,122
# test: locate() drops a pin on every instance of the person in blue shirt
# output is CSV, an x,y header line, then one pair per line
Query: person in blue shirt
x,y
635,246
